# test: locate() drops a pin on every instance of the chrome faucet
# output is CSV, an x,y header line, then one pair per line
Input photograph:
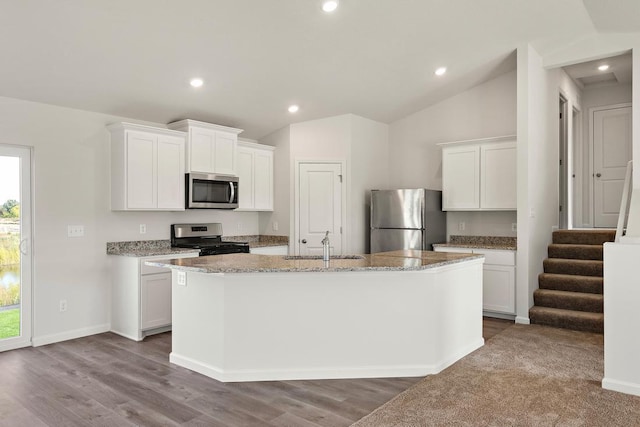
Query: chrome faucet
x,y
325,247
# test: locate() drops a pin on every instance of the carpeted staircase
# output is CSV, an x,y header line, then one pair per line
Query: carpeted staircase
x,y
570,289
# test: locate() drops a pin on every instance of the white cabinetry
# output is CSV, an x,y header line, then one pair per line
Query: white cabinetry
x,y
147,168
210,148
140,296
255,173
479,175
498,278
270,250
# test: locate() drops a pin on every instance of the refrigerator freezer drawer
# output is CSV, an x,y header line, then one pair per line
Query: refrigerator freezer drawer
x,y
384,239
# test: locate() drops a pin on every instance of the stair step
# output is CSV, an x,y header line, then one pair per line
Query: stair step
x,y
572,251
578,267
568,300
567,319
570,282
584,237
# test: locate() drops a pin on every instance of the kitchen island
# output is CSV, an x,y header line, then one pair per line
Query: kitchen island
x,y
244,317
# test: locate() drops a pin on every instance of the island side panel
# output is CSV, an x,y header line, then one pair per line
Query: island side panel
x,y
328,324
197,338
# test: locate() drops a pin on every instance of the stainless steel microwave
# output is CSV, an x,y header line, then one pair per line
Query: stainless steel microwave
x,y
208,191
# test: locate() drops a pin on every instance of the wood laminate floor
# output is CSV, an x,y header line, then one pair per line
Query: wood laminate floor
x,y
107,380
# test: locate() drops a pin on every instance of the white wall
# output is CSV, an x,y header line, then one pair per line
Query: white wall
x,y
490,223
484,111
369,169
281,182
361,143
537,188
415,161
71,186
575,164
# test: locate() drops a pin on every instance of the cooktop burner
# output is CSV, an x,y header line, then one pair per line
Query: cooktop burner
x,y
206,237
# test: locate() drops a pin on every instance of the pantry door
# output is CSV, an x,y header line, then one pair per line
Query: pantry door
x,y
15,247
319,207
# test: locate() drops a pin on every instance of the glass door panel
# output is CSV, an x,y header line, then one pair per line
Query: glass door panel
x,y
15,244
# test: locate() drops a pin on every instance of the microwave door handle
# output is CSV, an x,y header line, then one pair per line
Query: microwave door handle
x,y
233,192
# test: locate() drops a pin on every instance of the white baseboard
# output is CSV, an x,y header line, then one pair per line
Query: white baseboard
x,y
70,335
523,320
242,375
621,386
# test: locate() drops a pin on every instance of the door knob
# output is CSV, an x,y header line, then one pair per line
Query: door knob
x,y
598,175
304,240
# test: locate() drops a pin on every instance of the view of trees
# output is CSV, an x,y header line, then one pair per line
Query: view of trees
x,y
10,209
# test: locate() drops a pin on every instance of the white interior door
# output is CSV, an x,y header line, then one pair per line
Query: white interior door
x,y
320,207
15,247
611,153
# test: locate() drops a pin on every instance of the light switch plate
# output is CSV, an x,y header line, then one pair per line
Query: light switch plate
x,y
75,230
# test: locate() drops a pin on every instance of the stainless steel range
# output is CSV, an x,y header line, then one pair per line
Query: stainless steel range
x,y
206,237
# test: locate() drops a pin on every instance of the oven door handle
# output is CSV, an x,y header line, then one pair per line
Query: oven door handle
x,y
233,192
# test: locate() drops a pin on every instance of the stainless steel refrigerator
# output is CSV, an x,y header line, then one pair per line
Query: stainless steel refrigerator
x,y
406,219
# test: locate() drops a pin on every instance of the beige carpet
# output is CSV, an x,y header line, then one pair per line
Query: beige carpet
x,y
525,376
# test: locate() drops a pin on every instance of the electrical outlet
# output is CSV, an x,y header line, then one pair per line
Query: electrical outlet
x,y
75,230
143,228
514,226
182,278
63,305
239,226
461,226
275,225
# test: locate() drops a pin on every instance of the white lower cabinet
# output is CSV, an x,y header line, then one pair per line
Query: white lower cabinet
x,y
141,296
498,278
270,250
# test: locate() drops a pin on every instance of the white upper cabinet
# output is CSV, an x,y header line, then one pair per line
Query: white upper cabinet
x,y
461,177
210,148
479,175
255,173
147,168
498,175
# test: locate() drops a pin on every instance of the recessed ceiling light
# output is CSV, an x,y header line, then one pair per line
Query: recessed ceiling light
x,y
196,82
440,71
603,67
329,5
293,108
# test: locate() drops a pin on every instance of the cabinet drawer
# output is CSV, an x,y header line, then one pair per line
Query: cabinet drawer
x,y
148,269
497,257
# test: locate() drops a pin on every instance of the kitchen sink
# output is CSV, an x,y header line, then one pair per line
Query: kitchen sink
x,y
305,257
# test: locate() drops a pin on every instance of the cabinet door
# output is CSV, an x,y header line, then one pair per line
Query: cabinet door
x,y
170,173
263,180
498,176
461,178
155,300
201,150
225,153
141,170
246,178
498,289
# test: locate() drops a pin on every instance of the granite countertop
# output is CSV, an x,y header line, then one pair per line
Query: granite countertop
x,y
249,263
142,248
481,242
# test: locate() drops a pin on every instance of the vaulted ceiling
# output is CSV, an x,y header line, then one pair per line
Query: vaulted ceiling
x,y
134,58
